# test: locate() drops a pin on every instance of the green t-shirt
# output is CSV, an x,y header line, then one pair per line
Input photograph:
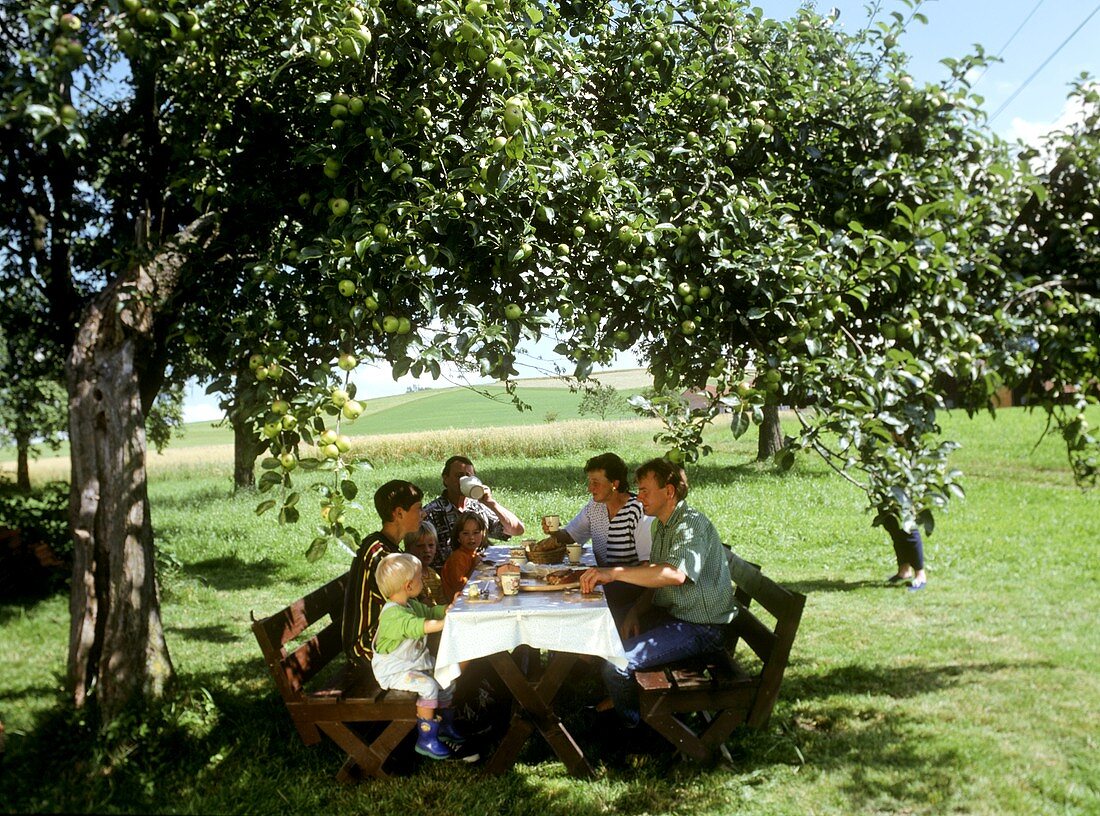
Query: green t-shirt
x,y
399,623
690,543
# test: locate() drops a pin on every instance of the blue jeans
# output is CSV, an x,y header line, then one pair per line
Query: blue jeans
x,y
908,547
670,640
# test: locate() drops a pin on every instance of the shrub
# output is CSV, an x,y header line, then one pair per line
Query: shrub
x,y
38,517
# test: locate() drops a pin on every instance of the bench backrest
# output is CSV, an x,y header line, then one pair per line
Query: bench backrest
x,y
772,646
292,670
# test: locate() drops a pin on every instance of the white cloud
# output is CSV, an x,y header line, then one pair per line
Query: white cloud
x,y
201,412
1033,133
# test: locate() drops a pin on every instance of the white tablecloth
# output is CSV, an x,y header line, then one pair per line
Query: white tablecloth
x,y
543,620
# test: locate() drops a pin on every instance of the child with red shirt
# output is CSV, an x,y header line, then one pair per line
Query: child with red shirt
x,y
469,532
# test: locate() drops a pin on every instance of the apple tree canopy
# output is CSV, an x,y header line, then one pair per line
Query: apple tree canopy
x,y
772,206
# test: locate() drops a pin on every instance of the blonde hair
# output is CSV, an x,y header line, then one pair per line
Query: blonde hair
x,y
426,528
394,571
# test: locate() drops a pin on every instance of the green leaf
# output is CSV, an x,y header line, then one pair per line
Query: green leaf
x,y
349,489
785,459
264,506
740,424
316,549
269,480
534,14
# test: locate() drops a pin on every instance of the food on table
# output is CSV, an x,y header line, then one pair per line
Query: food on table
x,y
504,568
565,576
545,546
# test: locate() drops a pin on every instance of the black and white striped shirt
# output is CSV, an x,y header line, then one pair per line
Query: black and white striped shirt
x,y
621,541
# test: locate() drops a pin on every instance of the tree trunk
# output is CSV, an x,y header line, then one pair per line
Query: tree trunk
x,y
117,648
771,434
246,447
22,466
116,643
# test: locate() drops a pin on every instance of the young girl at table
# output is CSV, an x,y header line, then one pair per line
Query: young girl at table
x,y
468,535
401,657
423,544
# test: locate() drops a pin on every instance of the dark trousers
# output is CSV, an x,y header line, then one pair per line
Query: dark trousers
x,y
621,596
908,547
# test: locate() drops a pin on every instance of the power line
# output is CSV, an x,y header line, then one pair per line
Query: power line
x,y
1036,72
1008,42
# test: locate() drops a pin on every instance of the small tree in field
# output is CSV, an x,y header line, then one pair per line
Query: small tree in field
x,y
601,400
32,403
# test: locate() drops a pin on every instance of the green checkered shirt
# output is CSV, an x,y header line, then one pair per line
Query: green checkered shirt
x,y
689,542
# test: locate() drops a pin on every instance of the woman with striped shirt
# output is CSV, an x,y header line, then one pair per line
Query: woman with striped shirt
x,y
615,523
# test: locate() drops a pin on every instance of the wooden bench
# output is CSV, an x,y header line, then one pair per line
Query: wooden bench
x,y
345,704
728,688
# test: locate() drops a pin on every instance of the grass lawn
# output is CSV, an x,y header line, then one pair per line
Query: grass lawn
x,y
980,694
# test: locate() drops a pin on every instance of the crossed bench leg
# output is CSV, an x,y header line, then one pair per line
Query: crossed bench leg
x,y
365,759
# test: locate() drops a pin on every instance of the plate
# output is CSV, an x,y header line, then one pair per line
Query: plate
x,y
539,586
583,597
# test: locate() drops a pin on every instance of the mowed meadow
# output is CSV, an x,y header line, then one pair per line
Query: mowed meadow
x,y
980,694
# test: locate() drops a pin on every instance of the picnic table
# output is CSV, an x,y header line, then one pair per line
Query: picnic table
x,y
497,628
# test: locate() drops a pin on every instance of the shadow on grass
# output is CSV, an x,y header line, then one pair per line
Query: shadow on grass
x,y
194,499
209,634
228,745
230,572
833,585
15,608
898,682
236,750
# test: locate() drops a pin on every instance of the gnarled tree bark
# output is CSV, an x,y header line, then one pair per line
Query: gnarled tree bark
x,y
116,646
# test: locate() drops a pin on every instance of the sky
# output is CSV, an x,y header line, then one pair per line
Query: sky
x,y
954,26
1024,33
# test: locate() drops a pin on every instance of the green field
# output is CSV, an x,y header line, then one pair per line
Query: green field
x,y
980,694
428,410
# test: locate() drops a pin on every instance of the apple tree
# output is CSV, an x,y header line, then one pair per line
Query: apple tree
x,y
1051,253
439,134
142,166
777,207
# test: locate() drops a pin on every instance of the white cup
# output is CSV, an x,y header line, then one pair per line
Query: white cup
x,y
574,551
551,524
471,487
509,583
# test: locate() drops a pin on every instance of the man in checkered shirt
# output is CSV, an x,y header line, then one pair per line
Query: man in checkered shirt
x,y
500,522
689,593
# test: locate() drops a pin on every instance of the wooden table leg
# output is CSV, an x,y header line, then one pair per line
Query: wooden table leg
x,y
535,710
519,730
